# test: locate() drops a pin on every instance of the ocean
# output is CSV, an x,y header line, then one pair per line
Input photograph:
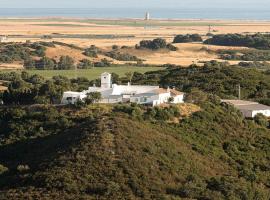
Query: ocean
x,y
157,13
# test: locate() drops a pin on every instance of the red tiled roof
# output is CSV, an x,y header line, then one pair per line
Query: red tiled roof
x,y
175,92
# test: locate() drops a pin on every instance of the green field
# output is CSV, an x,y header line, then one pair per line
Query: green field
x,y
92,73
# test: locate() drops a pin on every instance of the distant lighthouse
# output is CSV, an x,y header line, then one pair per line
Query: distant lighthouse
x,y
147,16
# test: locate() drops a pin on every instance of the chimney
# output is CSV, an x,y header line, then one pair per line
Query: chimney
x,y
168,89
128,83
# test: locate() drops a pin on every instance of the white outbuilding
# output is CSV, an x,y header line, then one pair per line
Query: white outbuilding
x,y
3,39
249,109
113,93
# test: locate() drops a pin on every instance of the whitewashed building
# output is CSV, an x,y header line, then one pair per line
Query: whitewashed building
x,y
249,109
3,39
113,93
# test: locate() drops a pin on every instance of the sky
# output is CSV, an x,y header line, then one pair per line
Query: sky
x,y
133,3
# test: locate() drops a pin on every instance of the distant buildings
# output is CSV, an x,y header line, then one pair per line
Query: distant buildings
x,y
249,109
3,39
113,93
147,16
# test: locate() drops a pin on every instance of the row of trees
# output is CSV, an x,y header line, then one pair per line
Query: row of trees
x,y
64,63
258,41
45,63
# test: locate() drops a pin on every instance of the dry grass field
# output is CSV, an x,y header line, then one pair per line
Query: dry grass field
x,y
2,88
20,30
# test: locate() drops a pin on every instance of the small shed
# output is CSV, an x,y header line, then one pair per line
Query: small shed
x,y
248,108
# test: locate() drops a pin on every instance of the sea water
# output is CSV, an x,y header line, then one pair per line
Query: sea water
x,y
158,13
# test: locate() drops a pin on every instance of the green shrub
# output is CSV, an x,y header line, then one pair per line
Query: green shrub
x,y
187,38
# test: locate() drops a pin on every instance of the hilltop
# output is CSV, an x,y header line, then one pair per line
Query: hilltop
x,y
132,152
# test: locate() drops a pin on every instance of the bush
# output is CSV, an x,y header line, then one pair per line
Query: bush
x,y
103,63
93,97
92,51
3,169
261,120
122,56
187,38
155,44
45,63
115,47
85,64
66,62
172,47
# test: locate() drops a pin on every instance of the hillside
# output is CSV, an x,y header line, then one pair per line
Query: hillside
x,y
94,153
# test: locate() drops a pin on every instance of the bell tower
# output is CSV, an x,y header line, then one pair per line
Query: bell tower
x,y
106,80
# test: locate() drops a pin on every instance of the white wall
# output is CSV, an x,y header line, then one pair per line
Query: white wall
x,y
72,98
264,112
179,99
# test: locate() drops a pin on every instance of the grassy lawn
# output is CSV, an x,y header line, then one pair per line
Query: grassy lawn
x,y
92,73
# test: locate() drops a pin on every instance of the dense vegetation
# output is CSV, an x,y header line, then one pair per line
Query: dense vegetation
x,y
187,38
155,44
122,56
92,51
245,55
45,63
34,89
258,41
19,52
132,152
216,78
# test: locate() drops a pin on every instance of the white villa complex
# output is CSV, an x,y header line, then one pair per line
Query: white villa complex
x,y
113,93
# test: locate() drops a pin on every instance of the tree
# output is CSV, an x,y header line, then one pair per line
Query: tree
x,y
92,97
45,63
155,44
261,120
66,62
85,64
29,63
129,76
187,38
196,96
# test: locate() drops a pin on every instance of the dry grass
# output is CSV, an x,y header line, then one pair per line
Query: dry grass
x,y
2,88
12,66
187,54
187,109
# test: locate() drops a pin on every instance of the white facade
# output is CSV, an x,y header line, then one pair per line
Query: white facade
x,y
147,16
72,97
106,80
113,93
3,39
249,109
